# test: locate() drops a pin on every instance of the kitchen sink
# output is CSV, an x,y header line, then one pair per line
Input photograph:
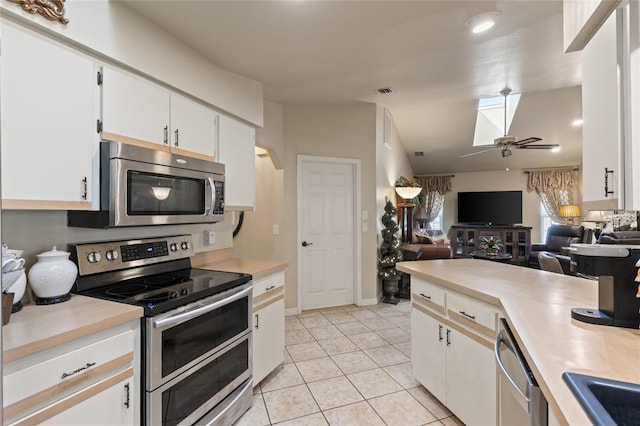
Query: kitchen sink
x,y
606,401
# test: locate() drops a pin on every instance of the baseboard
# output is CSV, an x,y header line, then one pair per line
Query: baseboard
x,y
368,302
290,312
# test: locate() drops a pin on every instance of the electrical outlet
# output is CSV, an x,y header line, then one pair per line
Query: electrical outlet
x,y
276,229
209,237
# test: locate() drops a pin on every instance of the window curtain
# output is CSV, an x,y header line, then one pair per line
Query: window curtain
x,y
555,188
429,201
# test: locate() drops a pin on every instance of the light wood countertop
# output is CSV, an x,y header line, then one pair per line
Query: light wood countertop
x,y
537,306
39,327
224,262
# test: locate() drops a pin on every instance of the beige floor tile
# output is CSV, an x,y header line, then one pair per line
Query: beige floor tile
x,y
294,337
335,392
339,317
373,383
430,402
316,419
364,314
402,374
315,321
377,323
452,421
386,355
404,347
292,323
285,375
308,314
325,332
257,414
287,357
353,308
387,311
305,351
354,362
257,390
402,321
394,335
368,340
403,306
318,369
350,328
338,345
401,409
360,414
289,403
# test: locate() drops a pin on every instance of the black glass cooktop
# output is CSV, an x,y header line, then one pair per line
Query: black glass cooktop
x,y
162,292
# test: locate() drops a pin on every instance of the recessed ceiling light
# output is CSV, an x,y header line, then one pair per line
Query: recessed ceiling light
x,y
555,149
577,122
482,22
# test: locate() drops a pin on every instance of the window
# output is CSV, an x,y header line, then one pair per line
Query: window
x,y
437,223
545,222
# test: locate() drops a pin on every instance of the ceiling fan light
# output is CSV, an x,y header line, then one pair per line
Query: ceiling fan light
x,y
506,152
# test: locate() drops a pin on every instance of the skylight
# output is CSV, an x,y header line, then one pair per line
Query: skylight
x,y
490,120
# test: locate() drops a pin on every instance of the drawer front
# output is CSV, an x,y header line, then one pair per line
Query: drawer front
x,y
268,284
72,369
472,312
428,294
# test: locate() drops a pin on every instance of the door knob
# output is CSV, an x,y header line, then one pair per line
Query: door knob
x,y
304,244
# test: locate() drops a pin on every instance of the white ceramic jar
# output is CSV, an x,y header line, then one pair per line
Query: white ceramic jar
x,y
52,276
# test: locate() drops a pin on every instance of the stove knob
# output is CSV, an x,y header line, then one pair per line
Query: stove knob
x,y
184,291
184,245
173,247
94,257
112,255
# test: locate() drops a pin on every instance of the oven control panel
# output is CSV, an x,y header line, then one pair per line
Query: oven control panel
x,y
93,258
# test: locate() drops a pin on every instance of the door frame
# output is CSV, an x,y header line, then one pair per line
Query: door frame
x,y
357,221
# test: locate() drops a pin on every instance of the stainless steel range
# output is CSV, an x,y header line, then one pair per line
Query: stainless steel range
x,y
196,330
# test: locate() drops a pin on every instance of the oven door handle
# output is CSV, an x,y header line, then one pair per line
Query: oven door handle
x,y
200,309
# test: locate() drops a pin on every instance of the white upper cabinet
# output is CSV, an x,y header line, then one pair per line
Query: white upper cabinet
x,y
133,108
138,111
193,127
236,144
48,125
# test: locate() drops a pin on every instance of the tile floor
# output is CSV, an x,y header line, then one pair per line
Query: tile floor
x,y
346,366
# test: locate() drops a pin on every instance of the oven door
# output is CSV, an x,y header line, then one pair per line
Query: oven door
x,y
152,194
191,395
178,340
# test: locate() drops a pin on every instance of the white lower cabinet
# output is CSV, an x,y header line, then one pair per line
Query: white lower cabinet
x,y
451,351
90,380
268,325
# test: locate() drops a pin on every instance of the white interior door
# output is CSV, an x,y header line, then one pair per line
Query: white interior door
x,y
327,239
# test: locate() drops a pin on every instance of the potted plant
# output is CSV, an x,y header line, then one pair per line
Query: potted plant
x,y
491,245
390,253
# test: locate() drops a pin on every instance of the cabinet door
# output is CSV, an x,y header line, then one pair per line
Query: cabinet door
x,y
48,124
427,353
268,339
471,380
111,406
133,109
236,143
193,128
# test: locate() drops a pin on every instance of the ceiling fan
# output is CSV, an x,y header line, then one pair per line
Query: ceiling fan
x,y
506,142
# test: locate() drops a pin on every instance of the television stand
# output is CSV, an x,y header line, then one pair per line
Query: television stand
x,y
465,239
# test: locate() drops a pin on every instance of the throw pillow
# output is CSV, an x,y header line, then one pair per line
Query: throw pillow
x,y
422,238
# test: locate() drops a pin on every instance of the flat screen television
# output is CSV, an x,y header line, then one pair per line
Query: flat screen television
x,y
490,207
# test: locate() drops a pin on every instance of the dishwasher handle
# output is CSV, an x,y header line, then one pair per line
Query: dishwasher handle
x,y
521,398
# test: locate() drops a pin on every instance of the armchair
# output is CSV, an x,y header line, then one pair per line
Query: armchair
x,y
558,238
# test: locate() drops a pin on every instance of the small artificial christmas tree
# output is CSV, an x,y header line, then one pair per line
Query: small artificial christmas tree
x,y
390,253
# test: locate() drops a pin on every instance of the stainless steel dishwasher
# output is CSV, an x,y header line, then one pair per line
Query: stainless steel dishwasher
x,y
520,399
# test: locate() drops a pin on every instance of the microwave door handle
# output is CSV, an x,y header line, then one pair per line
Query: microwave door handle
x,y
208,210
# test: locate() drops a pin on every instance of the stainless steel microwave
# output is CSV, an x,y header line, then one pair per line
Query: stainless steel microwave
x,y
141,186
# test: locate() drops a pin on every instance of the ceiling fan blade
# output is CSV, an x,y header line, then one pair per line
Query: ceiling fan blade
x,y
542,146
526,141
479,152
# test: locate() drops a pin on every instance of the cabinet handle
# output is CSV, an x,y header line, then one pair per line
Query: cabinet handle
x,y
473,317
425,296
127,400
177,132
166,135
84,188
606,182
270,288
448,337
440,327
85,367
257,321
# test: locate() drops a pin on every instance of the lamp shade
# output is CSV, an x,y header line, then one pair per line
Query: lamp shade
x,y
408,192
595,216
569,210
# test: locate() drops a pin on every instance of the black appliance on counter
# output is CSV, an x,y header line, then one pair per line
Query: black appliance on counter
x,y
615,266
196,364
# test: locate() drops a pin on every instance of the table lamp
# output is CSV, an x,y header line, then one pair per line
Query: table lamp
x,y
569,211
597,217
